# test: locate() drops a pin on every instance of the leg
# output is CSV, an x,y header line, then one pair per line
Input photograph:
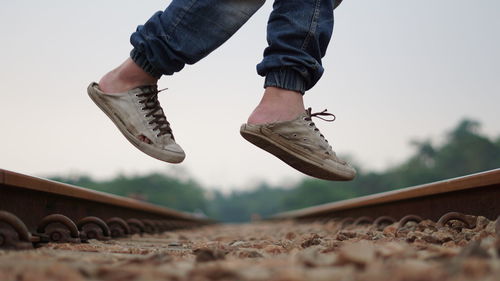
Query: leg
x,y
298,35
277,104
184,33
187,31
125,77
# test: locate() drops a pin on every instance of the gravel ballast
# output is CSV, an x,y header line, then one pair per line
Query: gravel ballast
x,y
273,251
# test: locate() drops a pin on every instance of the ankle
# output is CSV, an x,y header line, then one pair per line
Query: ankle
x,y
125,77
277,105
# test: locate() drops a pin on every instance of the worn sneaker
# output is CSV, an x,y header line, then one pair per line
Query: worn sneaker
x,y
301,145
139,116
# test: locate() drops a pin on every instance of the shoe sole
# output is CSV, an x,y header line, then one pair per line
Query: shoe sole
x,y
296,161
170,156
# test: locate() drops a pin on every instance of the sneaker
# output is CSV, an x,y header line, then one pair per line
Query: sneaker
x,y
301,145
139,116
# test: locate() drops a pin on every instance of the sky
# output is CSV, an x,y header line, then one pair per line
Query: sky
x,y
395,71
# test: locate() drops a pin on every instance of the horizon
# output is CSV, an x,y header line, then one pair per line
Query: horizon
x,y
186,176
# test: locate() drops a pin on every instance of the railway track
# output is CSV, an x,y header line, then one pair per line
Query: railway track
x,y
419,233
34,211
463,199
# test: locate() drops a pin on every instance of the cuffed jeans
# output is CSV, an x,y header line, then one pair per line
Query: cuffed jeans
x,y
298,34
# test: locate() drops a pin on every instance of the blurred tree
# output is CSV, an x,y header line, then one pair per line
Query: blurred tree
x,y
464,151
155,188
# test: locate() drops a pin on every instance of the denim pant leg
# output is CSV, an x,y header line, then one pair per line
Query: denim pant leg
x,y
187,31
298,34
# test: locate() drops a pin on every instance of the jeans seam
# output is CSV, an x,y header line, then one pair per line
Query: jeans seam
x,y
312,26
179,18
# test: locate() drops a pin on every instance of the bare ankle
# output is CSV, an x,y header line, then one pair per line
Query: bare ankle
x,y
277,105
125,77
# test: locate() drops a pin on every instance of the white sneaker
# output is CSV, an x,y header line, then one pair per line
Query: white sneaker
x,y
301,145
139,116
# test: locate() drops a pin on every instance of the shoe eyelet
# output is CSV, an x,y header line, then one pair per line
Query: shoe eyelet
x,y
294,135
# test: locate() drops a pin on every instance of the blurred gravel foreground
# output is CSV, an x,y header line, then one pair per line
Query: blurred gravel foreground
x,y
277,251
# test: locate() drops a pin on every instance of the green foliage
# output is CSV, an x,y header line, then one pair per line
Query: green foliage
x,y
311,192
155,188
464,151
242,205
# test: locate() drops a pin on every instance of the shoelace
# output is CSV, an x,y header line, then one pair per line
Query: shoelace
x,y
152,106
318,115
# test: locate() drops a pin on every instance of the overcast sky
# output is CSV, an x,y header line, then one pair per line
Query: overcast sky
x,y
395,71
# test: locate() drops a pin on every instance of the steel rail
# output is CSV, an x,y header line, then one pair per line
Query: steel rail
x,y
20,181
36,210
477,194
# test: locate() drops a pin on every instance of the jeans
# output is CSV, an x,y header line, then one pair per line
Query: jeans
x,y
298,34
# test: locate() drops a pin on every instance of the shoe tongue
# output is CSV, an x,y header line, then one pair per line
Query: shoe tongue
x,y
148,89
308,112
145,89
